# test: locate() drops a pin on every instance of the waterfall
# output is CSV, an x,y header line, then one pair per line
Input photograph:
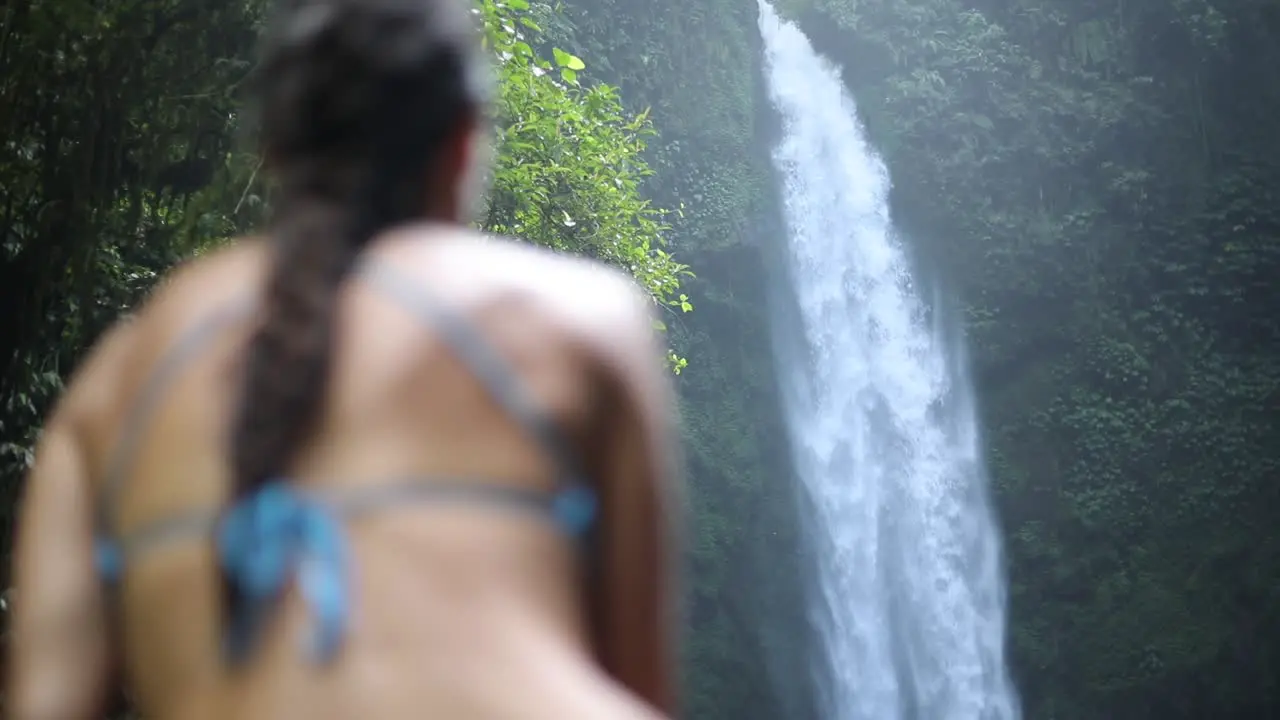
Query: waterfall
x,y
908,594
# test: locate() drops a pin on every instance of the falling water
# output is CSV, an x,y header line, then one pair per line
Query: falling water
x,y
909,596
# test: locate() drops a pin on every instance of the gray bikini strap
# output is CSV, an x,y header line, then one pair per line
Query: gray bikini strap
x,y
573,506
137,420
480,357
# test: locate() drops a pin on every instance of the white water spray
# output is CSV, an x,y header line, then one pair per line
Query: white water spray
x,y
909,598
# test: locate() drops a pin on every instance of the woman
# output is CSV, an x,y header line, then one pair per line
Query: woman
x,y
423,423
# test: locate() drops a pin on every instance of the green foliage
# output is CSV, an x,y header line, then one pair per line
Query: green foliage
x,y
689,62
118,124
571,162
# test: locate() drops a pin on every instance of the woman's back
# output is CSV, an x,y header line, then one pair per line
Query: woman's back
x,y
373,465
464,606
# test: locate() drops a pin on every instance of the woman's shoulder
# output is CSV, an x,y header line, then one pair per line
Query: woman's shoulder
x,y
597,305
126,349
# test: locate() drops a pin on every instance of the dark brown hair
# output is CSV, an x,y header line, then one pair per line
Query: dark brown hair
x,y
357,98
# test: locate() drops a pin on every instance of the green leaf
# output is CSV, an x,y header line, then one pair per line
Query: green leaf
x,y
568,60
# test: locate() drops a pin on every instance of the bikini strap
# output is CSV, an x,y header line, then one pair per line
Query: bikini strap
x,y
136,421
576,505
481,358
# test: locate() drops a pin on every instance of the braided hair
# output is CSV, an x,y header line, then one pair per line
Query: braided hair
x,y
357,100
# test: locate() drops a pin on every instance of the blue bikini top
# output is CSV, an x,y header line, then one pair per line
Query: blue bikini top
x,y
283,533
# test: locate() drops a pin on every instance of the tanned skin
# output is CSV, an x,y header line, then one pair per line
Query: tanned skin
x,y
464,610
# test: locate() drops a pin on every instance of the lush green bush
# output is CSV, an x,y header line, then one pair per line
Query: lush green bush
x,y
571,161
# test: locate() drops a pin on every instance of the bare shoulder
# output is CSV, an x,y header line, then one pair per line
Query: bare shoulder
x,y
597,307
604,309
93,385
208,280
599,297
94,388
